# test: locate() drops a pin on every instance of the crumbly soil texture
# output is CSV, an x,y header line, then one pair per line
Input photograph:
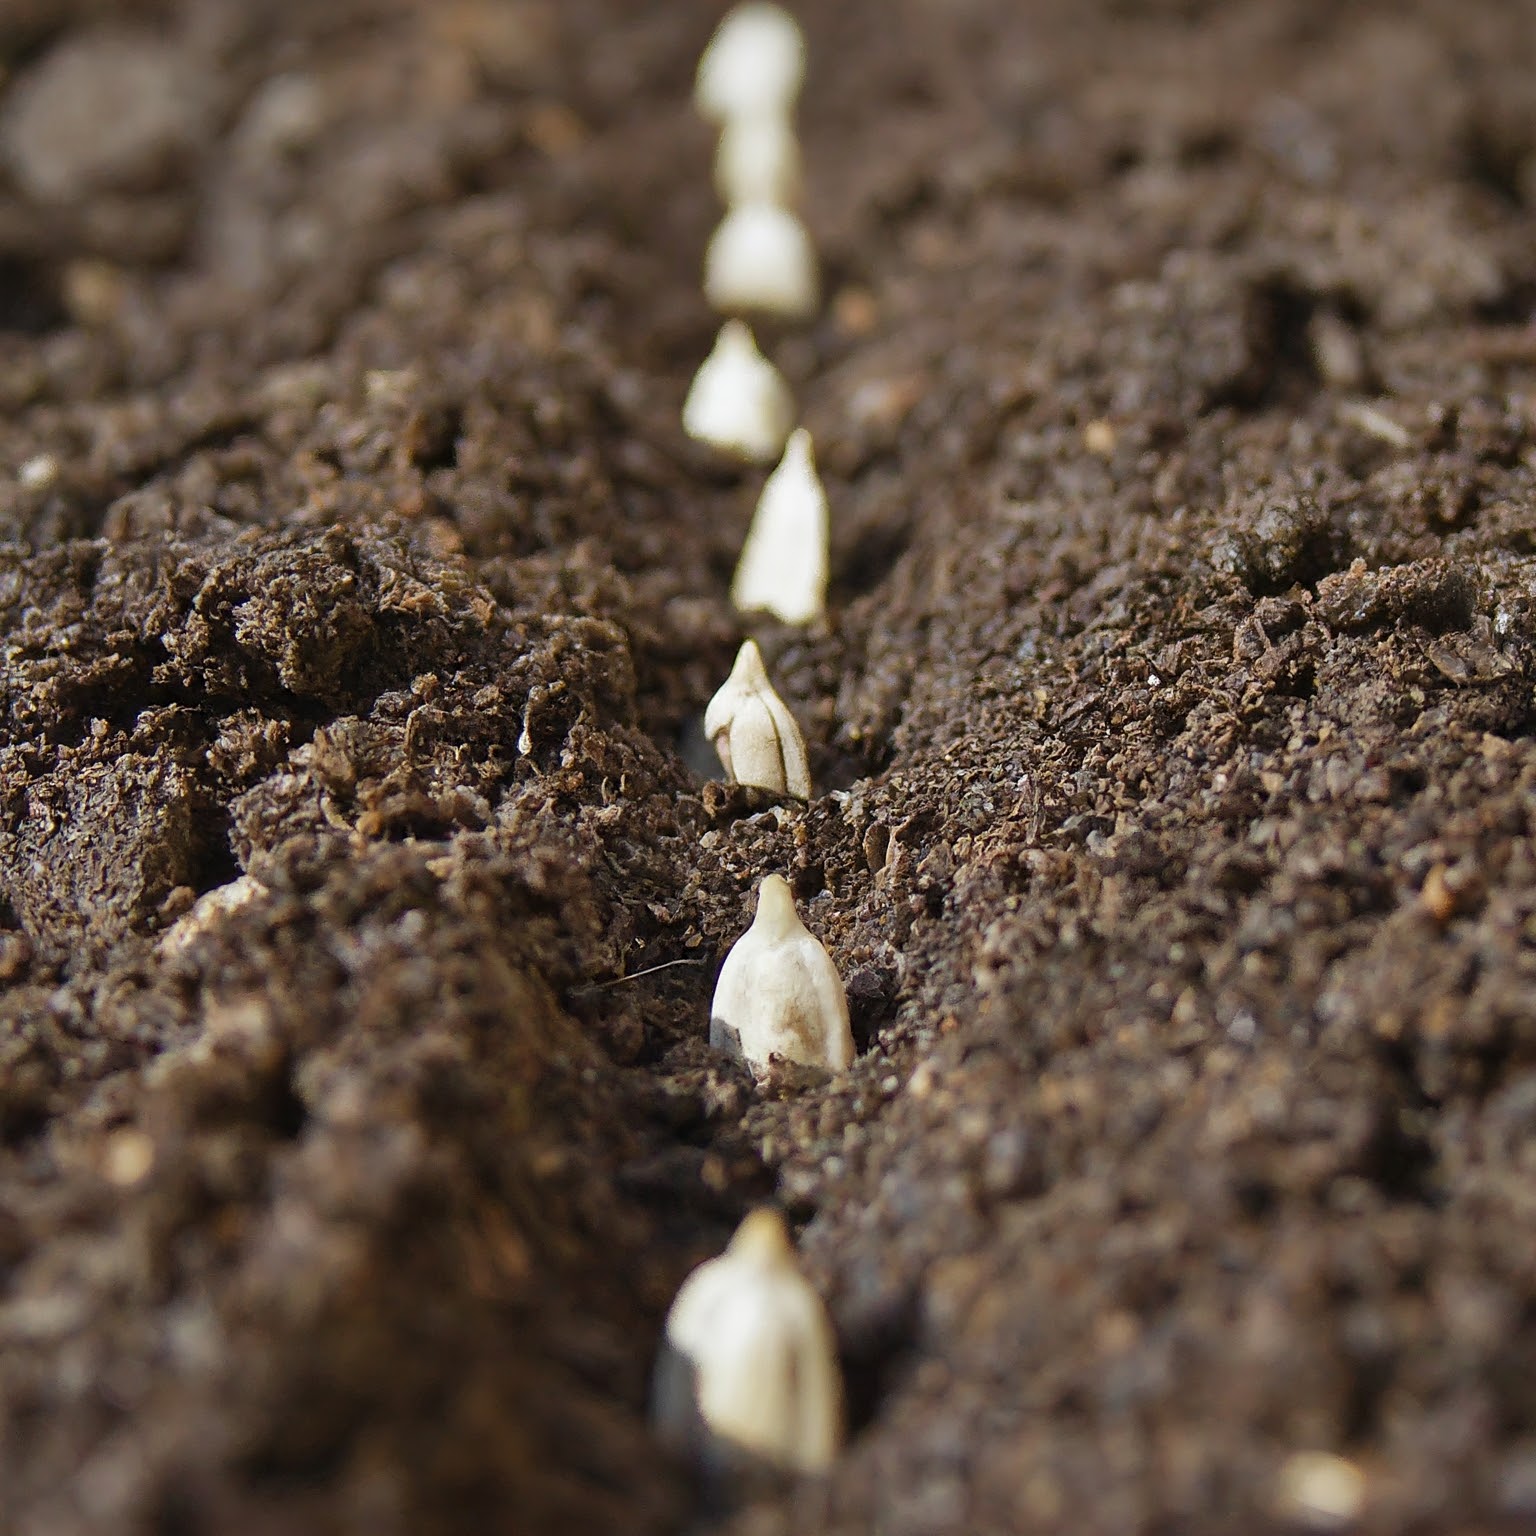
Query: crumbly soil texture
x,y
364,877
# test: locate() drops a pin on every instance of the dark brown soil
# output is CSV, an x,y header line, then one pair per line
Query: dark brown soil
x,y
1173,721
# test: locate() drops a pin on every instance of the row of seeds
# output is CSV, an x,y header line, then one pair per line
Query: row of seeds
x,y
748,1371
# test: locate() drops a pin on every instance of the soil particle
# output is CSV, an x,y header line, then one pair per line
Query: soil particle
x,y
108,110
1284,543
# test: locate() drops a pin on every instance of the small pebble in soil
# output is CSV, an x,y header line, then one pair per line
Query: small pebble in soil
x,y
754,64
38,472
128,1158
784,563
779,992
1099,438
760,258
758,160
748,1373
754,732
1319,1491
739,402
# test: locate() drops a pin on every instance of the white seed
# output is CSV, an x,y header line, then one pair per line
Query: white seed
x,y
754,63
754,732
739,402
748,1368
761,258
784,561
758,161
779,993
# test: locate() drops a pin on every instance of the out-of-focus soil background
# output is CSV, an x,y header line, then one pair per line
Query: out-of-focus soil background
x,y
359,597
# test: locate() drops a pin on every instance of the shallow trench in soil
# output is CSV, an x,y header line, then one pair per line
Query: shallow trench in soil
x,y
362,884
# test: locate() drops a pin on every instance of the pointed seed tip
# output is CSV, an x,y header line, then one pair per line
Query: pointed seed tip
x,y
776,906
750,666
762,1236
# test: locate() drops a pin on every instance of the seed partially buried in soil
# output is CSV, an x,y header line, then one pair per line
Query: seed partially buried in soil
x,y
758,161
784,561
779,993
738,401
760,259
754,64
754,732
748,1371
